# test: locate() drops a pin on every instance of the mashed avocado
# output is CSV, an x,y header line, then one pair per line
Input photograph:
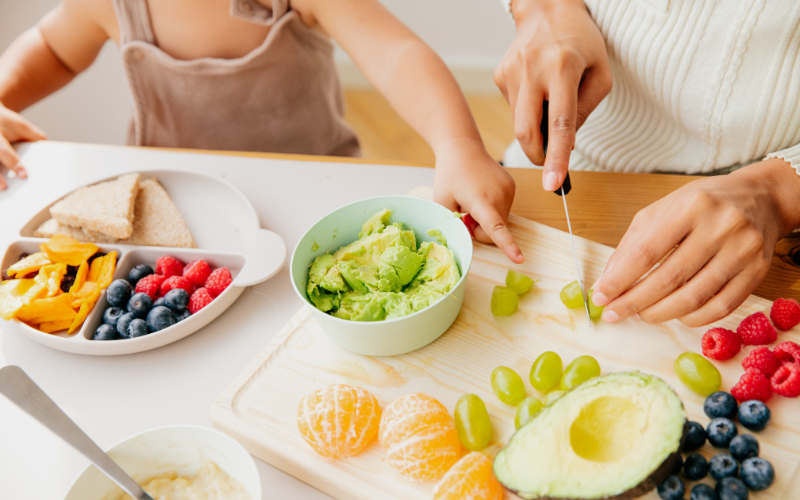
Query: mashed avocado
x,y
383,274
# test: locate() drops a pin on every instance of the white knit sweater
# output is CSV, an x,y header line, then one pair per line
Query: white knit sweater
x,y
698,85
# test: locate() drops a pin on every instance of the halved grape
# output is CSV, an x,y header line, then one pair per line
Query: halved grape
x,y
580,370
697,373
594,311
571,295
526,410
518,282
546,371
504,301
507,385
472,422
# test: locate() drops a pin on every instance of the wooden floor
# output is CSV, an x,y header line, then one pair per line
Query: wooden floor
x,y
385,136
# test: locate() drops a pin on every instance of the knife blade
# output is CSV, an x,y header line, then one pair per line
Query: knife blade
x,y
563,191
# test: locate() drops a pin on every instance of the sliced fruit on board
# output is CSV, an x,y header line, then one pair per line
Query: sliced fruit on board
x,y
619,433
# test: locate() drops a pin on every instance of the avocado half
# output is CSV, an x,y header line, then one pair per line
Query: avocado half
x,y
615,436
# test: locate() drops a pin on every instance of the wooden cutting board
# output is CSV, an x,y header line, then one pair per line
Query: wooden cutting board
x,y
259,407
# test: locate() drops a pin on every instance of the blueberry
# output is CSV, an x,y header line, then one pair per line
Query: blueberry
x,y
744,446
754,415
695,437
159,302
118,293
105,332
140,304
138,273
159,318
112,315
177,299
720,432
182,314
137,328
123,322
672,489
678,467
757,473
695,467
720,404
723,465
703,492
731,488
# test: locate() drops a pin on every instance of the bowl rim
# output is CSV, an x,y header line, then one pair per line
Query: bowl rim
x,y
366,324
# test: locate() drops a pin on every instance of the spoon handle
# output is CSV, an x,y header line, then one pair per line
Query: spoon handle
x,y
23,392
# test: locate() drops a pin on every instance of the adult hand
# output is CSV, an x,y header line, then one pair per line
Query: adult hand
x,y
559,56
723,231
13,128
467,179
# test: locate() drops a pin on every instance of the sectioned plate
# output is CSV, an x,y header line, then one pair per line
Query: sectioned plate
x,y
227,232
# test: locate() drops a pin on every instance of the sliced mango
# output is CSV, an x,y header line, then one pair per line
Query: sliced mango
x,y
29,264
102,269
54,326
88,290
83,312
61,248
54,274
80,277
39,288
11,294
48,310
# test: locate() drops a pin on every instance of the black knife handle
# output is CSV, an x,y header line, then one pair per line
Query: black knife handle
x,y
567,185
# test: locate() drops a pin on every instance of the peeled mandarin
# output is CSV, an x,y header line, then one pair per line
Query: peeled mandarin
x,y
339,421
471,478
419,437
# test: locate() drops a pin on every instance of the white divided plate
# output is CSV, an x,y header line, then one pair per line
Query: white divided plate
x,y
227,232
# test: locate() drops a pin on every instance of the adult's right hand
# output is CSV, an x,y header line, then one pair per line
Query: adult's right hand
x,y
559,56
13,128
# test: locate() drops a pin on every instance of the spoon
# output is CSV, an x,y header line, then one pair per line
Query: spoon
x,y
23,392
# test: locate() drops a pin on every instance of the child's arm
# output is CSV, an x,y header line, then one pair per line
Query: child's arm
x,y
40,61
420,87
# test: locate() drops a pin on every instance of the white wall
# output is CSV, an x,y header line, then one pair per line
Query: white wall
x,y
470,35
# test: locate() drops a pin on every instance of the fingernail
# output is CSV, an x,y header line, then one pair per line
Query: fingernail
x,y
22,173
599,299
609,316
550,181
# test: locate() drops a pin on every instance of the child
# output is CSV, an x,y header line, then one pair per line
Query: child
x,y
258,75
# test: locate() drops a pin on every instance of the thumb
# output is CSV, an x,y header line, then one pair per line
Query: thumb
x,y
494,229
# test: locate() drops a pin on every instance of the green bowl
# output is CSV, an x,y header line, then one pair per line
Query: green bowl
x,y
395,336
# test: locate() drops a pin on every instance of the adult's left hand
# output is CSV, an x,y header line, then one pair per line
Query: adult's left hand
x,y
722,233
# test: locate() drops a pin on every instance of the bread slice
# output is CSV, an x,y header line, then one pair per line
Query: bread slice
x,y
157,221
103,208
52,227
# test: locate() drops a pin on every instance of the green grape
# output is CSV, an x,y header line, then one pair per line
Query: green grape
x,y
504,301
594,311
571,295
546,371
526,410
518,282
579,371
697,373
507,385
472,422
548,400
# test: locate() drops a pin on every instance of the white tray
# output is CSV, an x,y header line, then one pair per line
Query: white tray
x,y
227,232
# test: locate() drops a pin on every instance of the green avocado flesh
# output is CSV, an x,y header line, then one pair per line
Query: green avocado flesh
x,y
614,436
382,275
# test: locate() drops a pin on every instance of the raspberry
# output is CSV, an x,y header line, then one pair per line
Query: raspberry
x,y
168,266
752,385
757,330
721,344
787,352
763,360
197,272
785,313
199,300
786,380
218,281
150,285
174,282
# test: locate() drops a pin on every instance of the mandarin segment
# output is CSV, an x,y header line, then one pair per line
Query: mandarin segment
x,y
419,437
339,421
471,478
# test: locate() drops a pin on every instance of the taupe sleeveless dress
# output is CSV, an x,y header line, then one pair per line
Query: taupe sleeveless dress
x,y
283,97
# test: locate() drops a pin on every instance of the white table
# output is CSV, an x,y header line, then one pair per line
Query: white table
x,y
114,397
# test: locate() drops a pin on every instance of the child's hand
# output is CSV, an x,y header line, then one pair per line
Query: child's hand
x,y
13,128
468,180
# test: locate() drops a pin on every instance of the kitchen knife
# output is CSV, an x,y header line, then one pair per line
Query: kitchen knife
x,y
565,188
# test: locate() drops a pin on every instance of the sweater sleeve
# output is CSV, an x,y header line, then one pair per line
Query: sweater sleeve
x,y
790,155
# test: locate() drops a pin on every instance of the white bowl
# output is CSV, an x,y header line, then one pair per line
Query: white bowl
x,y
179,448
395,336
